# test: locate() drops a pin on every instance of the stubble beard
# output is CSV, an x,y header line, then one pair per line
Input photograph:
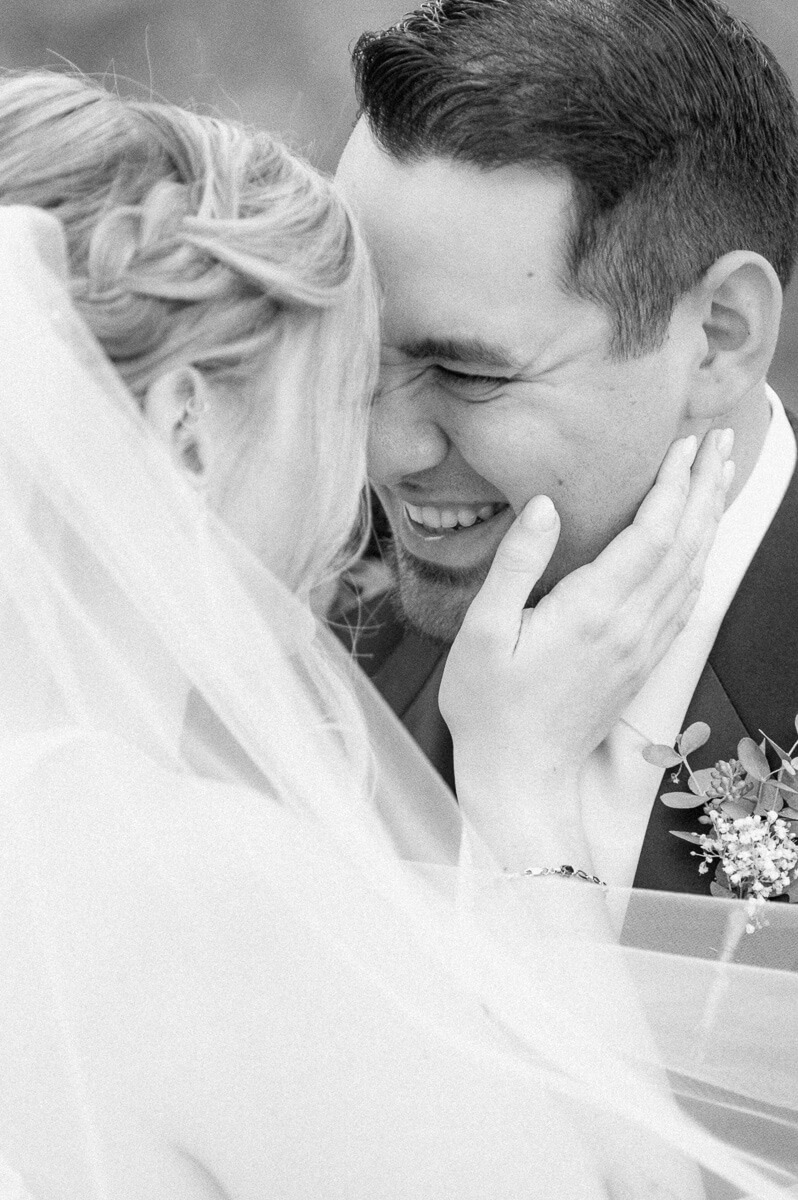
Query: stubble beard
x,y
435,599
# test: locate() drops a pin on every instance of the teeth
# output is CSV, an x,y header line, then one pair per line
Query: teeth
x,y
450,518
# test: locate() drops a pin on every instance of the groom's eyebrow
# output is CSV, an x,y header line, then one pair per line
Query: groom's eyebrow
x,y
470,351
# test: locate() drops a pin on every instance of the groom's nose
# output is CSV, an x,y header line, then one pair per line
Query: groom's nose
x,y
407,433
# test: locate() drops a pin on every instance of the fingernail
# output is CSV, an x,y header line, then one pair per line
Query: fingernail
x,y
690,448
725,441
540,515
728,473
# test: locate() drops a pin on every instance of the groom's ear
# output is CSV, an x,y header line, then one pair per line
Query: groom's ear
x,y
175,406
738,303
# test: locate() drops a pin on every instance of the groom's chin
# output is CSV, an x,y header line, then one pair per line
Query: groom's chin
x,y
434,599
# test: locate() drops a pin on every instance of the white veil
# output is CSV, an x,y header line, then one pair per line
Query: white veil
x,y
147,660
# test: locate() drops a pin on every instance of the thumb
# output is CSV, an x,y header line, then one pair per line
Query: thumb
x,y
520,560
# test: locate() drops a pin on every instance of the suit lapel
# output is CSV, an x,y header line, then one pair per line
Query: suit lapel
x,y
404,673
750,683
424,722
666,862
409,680
756,651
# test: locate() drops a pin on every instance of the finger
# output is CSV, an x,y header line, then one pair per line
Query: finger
x,y
695,535
671,603
662,508
680,594
711,478
662,638
701,527
632,557
662,543
522,556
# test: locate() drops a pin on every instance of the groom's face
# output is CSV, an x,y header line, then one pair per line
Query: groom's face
x,y
497,384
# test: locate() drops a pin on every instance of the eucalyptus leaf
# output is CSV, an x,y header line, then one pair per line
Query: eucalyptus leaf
x,y
783,755
694,736
681,800
789,814
701,781
770,800
753,759
661,756
715,889
695,838
735,810
784,787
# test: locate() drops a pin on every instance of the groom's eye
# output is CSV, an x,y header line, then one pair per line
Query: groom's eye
x,y
477,384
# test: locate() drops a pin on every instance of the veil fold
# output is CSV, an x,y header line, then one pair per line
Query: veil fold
x,y
149,664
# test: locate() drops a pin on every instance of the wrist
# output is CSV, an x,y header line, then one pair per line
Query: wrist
x,y
524,821
485,784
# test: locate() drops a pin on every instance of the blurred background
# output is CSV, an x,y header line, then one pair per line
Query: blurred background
x,y
282,64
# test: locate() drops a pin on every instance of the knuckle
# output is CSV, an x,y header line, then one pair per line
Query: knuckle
x,y
628,642
680,619
597,620
659,542
631,627
695,578
688,545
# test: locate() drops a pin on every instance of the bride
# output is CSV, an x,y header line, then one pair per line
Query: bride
x,y
251,946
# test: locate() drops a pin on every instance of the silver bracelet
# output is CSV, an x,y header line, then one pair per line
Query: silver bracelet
x,y
566,870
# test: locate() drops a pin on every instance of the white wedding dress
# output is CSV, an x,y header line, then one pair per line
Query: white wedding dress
x,y
222,975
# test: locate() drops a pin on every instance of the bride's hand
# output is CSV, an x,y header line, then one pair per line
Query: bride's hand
x,y
529,693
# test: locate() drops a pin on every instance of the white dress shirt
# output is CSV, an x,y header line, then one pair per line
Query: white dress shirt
x,y
617,786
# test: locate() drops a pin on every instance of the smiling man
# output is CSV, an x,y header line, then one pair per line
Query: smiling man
x,y
582,214
497,381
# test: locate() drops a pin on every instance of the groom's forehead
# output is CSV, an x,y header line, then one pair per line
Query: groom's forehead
x,y
374,179
456,223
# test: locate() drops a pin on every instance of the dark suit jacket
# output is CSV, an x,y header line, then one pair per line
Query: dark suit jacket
x,y
750,683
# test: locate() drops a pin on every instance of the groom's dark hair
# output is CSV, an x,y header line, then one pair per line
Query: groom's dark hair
x,y
675,124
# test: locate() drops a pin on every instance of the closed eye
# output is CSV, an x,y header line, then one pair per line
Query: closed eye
x,y
465,381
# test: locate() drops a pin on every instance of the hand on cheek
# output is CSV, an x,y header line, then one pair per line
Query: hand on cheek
x,y
528,693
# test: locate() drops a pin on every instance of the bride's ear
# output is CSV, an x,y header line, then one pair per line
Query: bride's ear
x,y
175,406
739,301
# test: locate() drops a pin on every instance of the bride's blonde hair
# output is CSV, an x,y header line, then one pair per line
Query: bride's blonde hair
x,y
195,240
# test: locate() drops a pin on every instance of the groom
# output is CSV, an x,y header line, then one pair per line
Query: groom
x,y
583,216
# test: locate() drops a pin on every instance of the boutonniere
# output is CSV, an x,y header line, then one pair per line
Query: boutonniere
x,y
750,811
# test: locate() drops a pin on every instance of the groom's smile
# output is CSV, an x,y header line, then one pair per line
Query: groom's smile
x,y
440,520
455,533
498,381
